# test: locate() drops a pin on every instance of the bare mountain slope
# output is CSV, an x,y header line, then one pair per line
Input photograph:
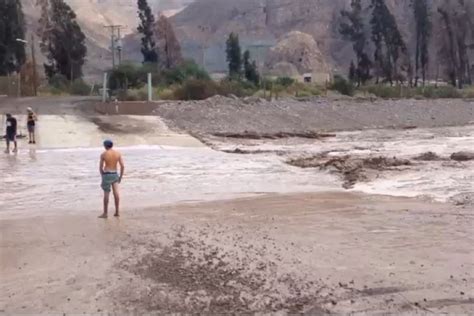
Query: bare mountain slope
x,y
92,16
202,27
262,22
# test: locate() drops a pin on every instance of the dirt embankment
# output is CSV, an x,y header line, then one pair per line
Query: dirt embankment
x,y
292,118
228,117
49,105
261,119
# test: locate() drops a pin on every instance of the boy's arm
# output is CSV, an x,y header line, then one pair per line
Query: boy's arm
x,y
122,168
101,164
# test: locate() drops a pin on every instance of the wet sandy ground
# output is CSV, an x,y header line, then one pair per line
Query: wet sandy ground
x,y
312,253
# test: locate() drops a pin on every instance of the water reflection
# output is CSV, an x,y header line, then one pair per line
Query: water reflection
x,y
32,153
68,179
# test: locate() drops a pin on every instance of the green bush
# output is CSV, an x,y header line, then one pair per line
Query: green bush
x,y
59,82
132,94
304,94
194,89
343,86
56,91
185,71
125,76
305,90
79,87
443,92
285,81
385,92
397,92
166,93
267,83
238,88
468,93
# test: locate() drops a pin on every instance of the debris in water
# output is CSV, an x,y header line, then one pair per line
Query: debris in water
x,y
428,156
463,156
352,169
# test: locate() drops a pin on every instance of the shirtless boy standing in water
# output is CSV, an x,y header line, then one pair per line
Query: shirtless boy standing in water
x,y
109,160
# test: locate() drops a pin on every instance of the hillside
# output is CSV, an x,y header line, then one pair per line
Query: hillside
x,y
262,22
92,16
202,27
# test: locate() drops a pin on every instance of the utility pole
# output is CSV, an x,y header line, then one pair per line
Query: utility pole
x,y
119,46
204,48
33,59
21,42
204,45
112,41
261,63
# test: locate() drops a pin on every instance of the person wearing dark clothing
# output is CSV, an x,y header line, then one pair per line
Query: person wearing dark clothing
x,y
11,133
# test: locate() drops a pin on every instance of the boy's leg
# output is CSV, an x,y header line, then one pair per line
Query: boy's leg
x,y
115,188
106,205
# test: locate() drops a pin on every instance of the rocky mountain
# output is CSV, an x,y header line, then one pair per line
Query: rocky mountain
x,y
93,15
202,27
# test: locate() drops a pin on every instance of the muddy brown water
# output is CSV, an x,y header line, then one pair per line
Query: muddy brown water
x,y
60,173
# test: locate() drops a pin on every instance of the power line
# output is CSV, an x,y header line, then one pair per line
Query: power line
x,y
114,28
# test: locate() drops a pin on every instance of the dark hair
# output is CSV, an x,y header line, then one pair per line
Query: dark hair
x,y
108,144
8,115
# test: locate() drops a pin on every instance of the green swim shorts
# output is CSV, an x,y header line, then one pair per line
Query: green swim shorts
x,y
108,179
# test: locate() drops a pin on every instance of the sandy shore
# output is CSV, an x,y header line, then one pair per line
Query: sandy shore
x,y
327,252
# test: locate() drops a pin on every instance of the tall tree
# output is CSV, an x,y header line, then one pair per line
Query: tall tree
x,y
352,28
377,38
423,34
234,56
250,69
456,33
352,72
168,45
44,26
464,35
12,27
147,21
64,42
448,47
388,41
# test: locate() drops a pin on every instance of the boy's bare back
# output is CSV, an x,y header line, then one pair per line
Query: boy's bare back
x,y
111,158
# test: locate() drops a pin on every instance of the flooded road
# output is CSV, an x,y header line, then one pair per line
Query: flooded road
x,y
61,174
40,181
433,180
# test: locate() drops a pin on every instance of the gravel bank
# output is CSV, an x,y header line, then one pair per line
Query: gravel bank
x,y
225,115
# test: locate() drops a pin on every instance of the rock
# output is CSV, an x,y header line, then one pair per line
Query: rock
x,y
463,199
298,50
428,156
463,156
285,69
